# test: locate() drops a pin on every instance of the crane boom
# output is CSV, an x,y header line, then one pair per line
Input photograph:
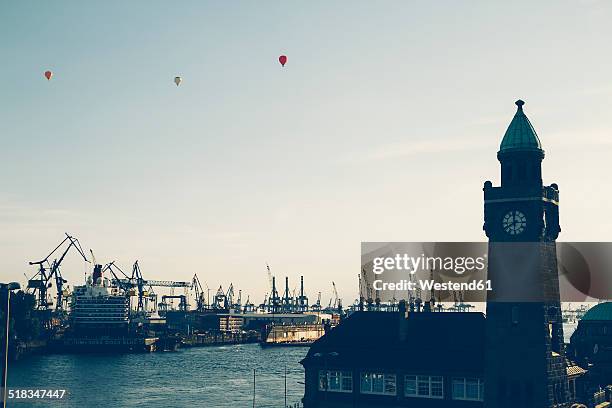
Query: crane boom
x,y
48,270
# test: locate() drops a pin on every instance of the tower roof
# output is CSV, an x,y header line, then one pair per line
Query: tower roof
x,y
520,136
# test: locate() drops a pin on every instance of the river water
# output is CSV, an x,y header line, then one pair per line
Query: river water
x,y
195,377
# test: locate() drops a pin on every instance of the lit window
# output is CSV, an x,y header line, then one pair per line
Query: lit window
x,y
423,386
335,381
378,383
468,389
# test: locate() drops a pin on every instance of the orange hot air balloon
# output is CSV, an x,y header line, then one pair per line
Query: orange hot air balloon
x,y
48,75
282,59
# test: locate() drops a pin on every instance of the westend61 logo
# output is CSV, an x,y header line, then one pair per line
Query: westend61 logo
x,y
399,270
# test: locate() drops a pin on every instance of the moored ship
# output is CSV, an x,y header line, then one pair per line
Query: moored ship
x,y
99,320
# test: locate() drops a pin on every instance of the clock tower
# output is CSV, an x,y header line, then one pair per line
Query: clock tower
x,y
524,357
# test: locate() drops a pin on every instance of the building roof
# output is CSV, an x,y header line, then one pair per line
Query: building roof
x,y
422,341
520,135
602,311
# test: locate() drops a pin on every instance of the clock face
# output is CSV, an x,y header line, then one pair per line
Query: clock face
x,y
514,222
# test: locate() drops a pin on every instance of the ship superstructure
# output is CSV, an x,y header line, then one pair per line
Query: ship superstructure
x,y
99,307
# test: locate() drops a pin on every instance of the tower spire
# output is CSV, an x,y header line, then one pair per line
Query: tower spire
x,y
520,152
520,135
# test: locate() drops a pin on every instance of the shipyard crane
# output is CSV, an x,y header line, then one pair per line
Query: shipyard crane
x,y
336,300
162,283
51,269
124,283
302,300
152,297
269,275
199,293
229,296
286,302
248,306
183,305
207,294
361,297
368,289
317,306
264,305
220,299
136,281
274,300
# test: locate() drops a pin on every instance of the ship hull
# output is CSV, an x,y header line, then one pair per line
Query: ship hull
x,y
106,345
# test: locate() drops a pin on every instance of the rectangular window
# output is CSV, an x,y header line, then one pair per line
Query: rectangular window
x,y
410,385
335,381
437,388
378,383
423,386
471,389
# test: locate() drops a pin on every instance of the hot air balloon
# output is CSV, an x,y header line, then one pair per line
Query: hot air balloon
x,y
178,80
282,59
48,75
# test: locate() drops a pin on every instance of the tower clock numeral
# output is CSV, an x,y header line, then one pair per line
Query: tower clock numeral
x,y
514,222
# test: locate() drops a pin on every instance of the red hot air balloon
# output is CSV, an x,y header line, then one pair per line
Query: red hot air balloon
x,y
282,59
48,75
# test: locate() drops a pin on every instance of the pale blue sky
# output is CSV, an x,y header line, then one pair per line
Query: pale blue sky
x,y
382,126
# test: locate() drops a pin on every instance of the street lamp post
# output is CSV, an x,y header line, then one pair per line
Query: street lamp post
x,y
8,287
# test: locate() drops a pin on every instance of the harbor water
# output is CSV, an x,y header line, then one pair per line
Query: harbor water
x,y
195,377
201,377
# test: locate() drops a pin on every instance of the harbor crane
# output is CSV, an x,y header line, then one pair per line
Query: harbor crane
x,y
368,289
137,282
199,293
361,297
230,295
336,300
317,306
302,300
270,277
183,305
47,270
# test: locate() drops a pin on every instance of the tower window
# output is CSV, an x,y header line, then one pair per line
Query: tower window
x,y
471,389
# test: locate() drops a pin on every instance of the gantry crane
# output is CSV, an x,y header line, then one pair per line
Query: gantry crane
x,y
137,283
302,300
51,269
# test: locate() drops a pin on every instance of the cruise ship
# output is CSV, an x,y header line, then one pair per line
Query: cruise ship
x,y
98,307
100,320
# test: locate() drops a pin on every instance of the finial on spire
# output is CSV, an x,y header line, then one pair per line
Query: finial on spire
x,y
520,104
